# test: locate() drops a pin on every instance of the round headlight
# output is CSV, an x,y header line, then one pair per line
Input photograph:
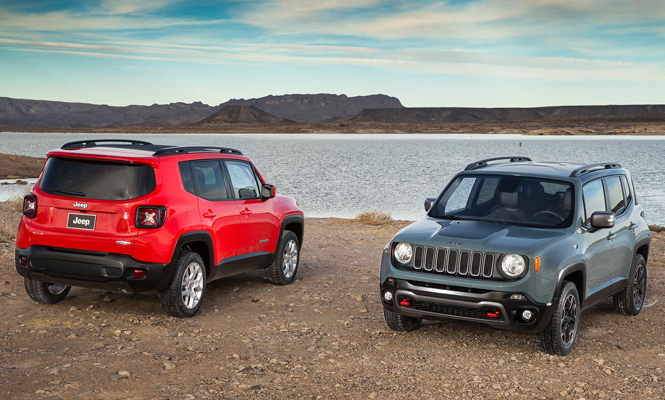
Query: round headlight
x,y
513,265
403,253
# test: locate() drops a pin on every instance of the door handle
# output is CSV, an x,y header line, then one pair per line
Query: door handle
x,y
611,236
632,226
246,211
209,215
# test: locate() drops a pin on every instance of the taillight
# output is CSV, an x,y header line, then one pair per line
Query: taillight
x,y
150,217
30,205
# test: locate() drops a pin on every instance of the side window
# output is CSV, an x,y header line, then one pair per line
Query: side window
x,y
594,198
626,190
242,180
615,194
487,190
459,198
208,180
186,176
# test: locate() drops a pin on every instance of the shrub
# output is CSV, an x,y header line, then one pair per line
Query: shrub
x,y
374,217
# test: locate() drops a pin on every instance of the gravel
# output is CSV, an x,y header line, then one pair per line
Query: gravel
x,y
321,337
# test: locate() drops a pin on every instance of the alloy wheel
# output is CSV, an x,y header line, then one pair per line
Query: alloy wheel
x,y
569,320
192,285
290,259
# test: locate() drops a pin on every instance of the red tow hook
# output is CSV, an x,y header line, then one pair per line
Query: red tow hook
x,y
405,302
494,314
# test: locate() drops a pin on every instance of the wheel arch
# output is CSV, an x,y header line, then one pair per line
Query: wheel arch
x,y
295,224
199,242
642,248
575,273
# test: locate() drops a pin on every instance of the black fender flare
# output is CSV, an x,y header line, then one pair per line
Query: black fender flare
x,y
289,219
646,240
564,272
189,237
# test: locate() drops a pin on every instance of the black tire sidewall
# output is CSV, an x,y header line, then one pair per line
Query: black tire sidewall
x,y
630,299
567,289
173,291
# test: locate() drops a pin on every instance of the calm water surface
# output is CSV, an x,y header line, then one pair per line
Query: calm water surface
x,y
336,175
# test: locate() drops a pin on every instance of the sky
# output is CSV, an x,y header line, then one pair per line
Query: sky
x,y
477,53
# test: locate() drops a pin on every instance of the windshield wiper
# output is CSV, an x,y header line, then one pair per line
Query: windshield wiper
x,y
69,192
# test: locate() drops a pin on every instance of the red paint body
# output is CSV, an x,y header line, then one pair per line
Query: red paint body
x,y
237,227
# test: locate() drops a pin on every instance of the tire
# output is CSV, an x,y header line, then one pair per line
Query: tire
x,y
183,296
47,293
284,268
559,337
631,300
400,323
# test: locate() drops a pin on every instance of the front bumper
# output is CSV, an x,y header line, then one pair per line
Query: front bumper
x,y
90,269
440,302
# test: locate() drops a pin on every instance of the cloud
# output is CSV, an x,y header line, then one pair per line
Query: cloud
x,y
450,62
120,7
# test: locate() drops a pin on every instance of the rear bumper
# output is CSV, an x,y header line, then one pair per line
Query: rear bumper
x,y
440,303
90,269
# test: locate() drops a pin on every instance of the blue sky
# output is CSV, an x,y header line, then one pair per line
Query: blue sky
x,y
479,53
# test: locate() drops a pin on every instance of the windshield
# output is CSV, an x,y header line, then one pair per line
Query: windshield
x,y
508,199
97,179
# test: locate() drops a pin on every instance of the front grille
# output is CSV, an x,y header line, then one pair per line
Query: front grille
x,y
454,310
454,262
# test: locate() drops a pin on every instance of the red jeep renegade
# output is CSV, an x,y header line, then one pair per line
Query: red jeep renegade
x,y
130,215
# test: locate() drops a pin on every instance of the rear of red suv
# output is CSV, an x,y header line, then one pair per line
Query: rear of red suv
x,y
119,217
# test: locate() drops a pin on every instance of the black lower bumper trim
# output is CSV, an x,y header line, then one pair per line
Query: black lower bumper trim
x,y
491,308
90,269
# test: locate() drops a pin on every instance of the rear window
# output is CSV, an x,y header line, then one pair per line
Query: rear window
x,y
97,179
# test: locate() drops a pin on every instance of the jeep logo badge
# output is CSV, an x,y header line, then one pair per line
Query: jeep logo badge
x,y
81,205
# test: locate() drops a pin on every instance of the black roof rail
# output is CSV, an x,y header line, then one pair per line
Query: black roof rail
x,y
94,142
483,163
593,167
195,149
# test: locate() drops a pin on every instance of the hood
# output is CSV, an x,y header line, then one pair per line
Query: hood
x,y
476,235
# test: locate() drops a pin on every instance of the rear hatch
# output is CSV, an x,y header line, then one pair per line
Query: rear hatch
x,y
90,204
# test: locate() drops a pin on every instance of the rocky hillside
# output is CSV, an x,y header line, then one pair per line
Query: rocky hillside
x,y
300,107
636,113
317,107
241,114
41,113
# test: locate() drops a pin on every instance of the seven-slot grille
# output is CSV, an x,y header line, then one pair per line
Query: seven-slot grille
x,y
454,262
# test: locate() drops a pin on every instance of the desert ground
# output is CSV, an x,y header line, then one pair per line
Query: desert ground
x,y
322,337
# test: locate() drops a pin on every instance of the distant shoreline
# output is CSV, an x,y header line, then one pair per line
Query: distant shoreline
x,y
535,128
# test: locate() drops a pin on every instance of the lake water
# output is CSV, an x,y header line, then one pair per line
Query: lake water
x,y
342,175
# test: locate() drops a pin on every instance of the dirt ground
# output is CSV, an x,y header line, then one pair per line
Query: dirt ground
x,y
322,337
11,164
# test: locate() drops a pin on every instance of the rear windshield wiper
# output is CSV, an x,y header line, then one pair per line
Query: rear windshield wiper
x,y
69,192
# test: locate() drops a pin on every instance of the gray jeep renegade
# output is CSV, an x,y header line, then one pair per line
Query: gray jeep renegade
x,y
521,245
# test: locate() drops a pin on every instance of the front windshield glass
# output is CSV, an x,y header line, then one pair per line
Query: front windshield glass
x,y
518,200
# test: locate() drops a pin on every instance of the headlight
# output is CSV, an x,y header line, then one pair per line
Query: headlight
x,y
513,265
403,253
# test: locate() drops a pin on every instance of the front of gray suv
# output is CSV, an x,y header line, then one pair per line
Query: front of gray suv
x,y
520,245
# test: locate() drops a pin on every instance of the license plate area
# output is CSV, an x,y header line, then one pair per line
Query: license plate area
x,y
81,221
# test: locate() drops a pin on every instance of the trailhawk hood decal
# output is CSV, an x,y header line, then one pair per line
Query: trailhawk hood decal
x,y
476,235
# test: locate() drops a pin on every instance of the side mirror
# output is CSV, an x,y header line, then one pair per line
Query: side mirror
x,y
602,219
268,191
429,202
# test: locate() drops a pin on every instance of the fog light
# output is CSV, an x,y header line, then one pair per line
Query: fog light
x,y
388,297
138,274
517,297
527,315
